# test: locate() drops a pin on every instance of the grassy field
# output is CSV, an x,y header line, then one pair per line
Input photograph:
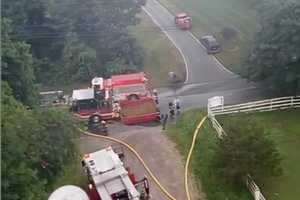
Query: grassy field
x,y
284,129
181,133
212,16
161,56
282,126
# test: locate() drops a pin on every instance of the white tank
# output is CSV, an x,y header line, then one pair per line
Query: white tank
x,y
69,192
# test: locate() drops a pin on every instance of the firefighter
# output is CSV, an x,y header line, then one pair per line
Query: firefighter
x,y
116,109
171,109
164,121
155,95
104,126
146,186
177,105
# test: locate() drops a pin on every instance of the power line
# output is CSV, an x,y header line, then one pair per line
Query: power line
x,y
94,33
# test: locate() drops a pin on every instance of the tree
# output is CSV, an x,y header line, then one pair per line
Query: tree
x,y
101,26
80,61
275,58
17,67
19,180
246,150
36,146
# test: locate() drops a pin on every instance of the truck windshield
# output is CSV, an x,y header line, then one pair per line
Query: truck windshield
x,y
87,104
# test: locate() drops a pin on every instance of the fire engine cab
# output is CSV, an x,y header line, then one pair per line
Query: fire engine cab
x,y
183,21
109,180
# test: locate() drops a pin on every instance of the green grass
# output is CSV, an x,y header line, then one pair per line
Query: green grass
x,y
181,133
284,128
161,56
211,16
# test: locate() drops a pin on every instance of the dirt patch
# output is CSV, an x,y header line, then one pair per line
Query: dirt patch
x,y
158,152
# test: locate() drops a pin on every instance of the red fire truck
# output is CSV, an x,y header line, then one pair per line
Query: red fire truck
x,y
108,179
127,97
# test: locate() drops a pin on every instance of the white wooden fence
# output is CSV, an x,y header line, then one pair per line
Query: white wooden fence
x,y
216,107
264,105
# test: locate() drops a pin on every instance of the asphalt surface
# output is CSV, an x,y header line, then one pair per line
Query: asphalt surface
x,y
206,76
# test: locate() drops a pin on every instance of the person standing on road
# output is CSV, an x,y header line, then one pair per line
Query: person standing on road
x,y
164,121
177,105
171,109
155,95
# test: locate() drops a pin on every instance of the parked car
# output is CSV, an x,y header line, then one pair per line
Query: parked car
x,y
210,43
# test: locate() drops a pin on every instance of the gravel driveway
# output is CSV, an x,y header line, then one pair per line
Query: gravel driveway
x,y
158,152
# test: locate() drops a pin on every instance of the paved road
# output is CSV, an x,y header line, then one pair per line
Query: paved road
x,y
206,76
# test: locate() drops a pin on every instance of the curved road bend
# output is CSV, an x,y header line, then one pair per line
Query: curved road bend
x,y
206,77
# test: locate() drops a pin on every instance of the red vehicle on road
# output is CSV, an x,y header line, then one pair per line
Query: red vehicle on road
x,y
183,21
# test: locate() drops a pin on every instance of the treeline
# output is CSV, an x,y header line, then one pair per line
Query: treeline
x,y
36,147
275,55
53,43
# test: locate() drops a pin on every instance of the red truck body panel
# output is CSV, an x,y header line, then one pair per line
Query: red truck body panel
x,y
138,111
127,79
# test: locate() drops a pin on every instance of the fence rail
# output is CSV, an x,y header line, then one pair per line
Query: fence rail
x,y
264,105
254,189
255,106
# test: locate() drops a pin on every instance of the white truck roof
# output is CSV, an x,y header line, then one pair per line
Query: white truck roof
x,y
68,192
109,174
83,94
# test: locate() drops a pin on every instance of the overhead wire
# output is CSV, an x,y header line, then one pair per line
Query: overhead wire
x,y
93,33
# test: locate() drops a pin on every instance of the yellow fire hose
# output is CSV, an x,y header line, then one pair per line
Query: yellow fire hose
x,y
188,195
152,176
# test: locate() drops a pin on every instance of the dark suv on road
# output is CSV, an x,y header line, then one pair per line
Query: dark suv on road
x,y
210,43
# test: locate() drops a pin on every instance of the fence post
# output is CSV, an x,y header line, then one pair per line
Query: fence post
x,y
292,101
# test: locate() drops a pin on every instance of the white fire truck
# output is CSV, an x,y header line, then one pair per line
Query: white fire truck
x,y
108,179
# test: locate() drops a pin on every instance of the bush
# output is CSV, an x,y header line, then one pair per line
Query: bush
x,y
246,150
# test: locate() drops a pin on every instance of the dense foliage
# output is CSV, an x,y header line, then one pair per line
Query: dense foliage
x,y
36,145
17,66
246,150
74,40
52,43
275,57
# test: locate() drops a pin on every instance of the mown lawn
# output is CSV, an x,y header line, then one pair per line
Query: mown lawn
x,y
161,56
181,133
284,128
211,16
